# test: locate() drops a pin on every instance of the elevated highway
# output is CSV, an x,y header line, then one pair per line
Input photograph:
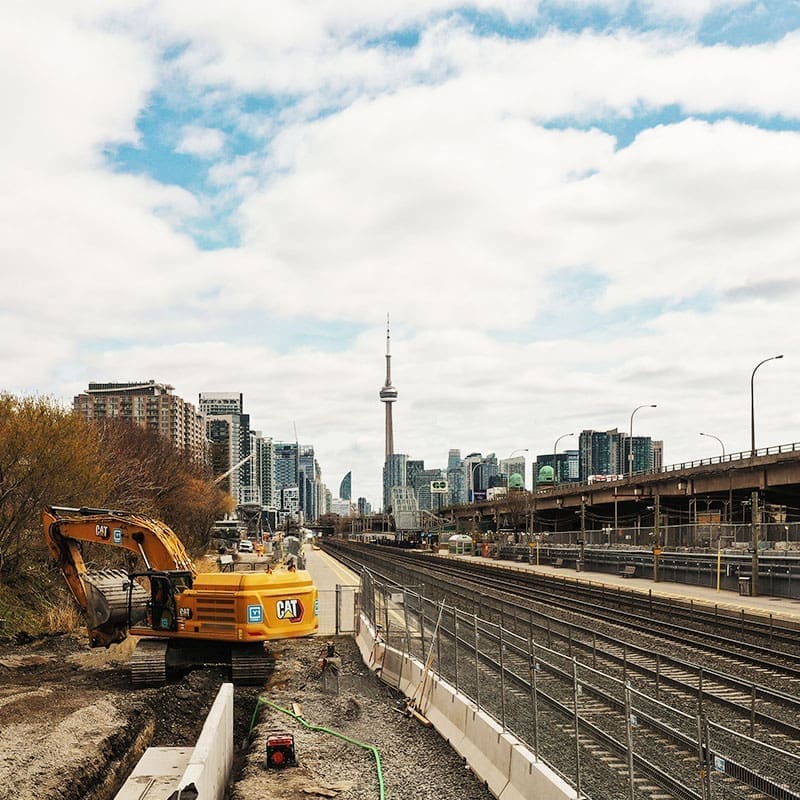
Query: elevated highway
x,y
709,491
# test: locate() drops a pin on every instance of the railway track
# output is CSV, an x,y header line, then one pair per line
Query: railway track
x,y
665,686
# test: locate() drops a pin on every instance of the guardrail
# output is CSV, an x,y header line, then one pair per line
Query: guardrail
x,y
728,458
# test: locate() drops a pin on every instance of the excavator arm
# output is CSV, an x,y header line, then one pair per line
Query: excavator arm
x,y
108,598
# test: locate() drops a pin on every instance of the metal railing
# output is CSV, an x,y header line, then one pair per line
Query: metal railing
x,y
728,458
549,701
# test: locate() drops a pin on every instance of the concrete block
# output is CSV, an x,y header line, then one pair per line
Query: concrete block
x,y
411,676
532,780
157,774
212,758
487,750
369,646
392,664
498,758
447,710
163,770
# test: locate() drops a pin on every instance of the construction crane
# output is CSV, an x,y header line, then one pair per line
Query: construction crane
x,y
224,475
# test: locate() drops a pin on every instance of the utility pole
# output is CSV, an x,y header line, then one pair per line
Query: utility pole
x,y
583,528
755,526
657,539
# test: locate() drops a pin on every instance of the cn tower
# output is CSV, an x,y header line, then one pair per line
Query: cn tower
x,y
388,396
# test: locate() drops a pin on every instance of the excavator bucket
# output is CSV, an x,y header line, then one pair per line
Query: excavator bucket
x,y
107,600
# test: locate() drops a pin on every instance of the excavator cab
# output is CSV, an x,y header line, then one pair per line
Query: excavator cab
x,y
165,586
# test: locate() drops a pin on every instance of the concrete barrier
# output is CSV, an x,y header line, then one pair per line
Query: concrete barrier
x,y
212,758
530,779
508,768
448,713
487,750
162,771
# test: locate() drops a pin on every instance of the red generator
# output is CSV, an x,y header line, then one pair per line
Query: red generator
x,y
280,751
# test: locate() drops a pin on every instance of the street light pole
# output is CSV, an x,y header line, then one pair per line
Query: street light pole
x,y
722,445
630,439
472,478
752,406
555,463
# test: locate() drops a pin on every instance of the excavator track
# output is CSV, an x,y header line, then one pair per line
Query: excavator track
x,y
149,663
251,666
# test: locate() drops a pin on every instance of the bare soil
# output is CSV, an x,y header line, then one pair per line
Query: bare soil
x,y
72,727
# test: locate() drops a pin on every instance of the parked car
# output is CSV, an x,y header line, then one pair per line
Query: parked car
x,y
245,546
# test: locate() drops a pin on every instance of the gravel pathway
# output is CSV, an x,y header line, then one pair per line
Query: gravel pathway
x,y
416,762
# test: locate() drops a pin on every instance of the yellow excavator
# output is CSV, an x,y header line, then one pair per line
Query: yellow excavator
x,y
183,617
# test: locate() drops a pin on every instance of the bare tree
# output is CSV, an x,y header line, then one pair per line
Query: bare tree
x,y
48,456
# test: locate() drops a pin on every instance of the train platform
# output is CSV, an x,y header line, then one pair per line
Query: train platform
x,y
764,605
336,607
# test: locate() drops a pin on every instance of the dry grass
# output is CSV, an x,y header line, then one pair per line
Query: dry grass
x,y
61,618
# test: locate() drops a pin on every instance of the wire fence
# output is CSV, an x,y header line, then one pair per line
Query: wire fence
x,y
338,610
601,734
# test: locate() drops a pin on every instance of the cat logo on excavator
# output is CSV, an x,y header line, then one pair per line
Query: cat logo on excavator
x,y
290,609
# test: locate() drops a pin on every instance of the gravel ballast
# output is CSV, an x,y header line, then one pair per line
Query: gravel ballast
x,y
416,761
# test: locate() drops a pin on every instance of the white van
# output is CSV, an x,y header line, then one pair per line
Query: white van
x,y
245,546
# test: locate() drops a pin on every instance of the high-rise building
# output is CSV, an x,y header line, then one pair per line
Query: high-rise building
x,y
472,480
508,466
287,468
263,471
151,406
344,508
218,403
290,500
453,459
597,453
565,466
394,475
608,452
414,467
309,478
456,485
228,430
573,466
427,500
634,454
364,507
345,487
478,472
658,455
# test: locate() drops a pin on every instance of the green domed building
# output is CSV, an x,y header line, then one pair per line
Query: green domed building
x,y
546,474
516,481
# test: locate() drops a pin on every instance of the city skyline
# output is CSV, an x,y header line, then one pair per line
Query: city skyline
x,y
570,210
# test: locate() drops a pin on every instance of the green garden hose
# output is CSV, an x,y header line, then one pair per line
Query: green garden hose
x,y
311,727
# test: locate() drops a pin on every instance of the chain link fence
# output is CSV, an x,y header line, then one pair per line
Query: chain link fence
x,y
338,610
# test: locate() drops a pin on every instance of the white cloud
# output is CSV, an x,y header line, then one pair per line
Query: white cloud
x,y
431,187
201,142
696,207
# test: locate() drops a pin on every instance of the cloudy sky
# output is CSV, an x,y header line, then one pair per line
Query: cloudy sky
x,y
569,208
